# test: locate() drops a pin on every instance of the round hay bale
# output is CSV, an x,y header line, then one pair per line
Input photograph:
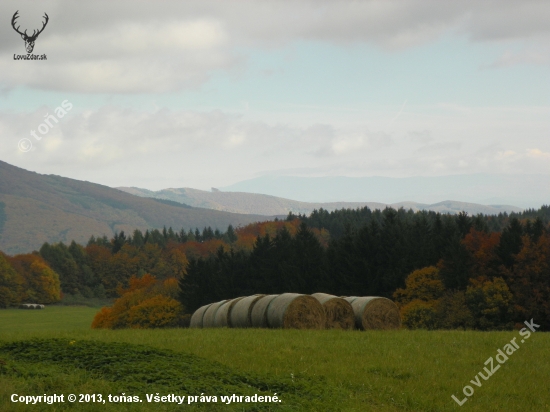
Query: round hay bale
x,y
222,319
373,312
242,311
196,319
292,310
338,312
210,314
258,316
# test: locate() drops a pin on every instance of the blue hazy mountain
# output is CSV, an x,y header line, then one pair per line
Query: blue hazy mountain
x,y
489,189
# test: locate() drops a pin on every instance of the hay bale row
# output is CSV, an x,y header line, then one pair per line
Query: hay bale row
x,y
241,314
196,319
31,306
258,316
297,311
223,315
338,312
373,312
209,318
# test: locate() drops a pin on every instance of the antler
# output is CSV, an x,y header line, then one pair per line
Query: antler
x,y
15,16
34,33
43,25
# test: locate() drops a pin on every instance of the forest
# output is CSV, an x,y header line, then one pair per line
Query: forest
x,y
444,271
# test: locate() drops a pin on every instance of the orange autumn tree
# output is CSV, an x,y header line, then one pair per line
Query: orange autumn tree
x,y
146,303
483,247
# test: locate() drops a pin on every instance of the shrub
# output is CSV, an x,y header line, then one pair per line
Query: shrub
x,y
419,315
146,303
156,312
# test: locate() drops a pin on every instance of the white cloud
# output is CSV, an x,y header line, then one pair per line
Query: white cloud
x,y
538,154
176,148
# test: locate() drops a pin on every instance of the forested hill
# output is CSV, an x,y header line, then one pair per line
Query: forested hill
x,y
337,221
37,208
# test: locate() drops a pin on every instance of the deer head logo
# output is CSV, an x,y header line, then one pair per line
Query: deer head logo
x,y
29,40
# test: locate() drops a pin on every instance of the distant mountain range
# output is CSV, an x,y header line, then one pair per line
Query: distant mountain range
x,y
240,202
37,208
525,191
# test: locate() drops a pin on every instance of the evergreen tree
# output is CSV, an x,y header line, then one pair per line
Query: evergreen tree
x,y
231,235
62,262
510,242
137,239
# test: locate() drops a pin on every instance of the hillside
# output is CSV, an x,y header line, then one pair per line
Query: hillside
x,y
241,202
37,208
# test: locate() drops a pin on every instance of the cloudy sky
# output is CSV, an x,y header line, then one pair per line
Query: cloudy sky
x,y
208,93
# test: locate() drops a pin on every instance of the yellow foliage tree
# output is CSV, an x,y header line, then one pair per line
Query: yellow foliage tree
x,y
419,314
491,303
40,282
423,284
419,300
11,284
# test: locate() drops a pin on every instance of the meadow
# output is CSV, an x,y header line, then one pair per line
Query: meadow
x,y
55,351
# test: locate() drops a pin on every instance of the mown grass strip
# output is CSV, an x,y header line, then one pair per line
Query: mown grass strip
x,y
140,369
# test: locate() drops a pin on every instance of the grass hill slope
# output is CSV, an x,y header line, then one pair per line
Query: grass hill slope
x,y
242,202
37,208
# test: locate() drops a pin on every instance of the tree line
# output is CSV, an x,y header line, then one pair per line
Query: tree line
x,y
506,272
493,267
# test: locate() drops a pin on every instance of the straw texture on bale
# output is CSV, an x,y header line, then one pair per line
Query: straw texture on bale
x,y
224,312
373,312
196,319
210,314
292,310
338,312
242,311
258,316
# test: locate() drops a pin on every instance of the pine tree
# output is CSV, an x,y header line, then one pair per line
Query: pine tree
x,y
510,242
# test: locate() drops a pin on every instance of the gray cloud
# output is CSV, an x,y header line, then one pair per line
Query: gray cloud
x,y
143,46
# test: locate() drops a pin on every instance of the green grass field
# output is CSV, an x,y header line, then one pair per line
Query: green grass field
x,y
310,370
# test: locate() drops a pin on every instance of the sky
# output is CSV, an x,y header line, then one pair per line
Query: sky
x,y
208,93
